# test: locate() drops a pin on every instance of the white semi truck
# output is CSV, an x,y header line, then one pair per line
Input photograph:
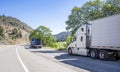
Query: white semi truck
x,y
100,40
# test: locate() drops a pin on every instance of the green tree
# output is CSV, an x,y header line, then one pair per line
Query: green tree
x,y
69,39
74,20
91,10
111,7
45,34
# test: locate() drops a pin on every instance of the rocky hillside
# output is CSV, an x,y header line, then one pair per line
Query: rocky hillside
x,y
61,36
12,30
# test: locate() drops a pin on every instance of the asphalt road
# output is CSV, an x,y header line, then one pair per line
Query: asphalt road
x,y
18,59
9,61
78,63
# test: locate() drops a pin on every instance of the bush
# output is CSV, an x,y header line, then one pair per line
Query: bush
x,y
15,34
1,32
61,45
68,41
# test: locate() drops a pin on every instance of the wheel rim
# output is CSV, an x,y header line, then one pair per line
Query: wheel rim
x,y
92,54
101,55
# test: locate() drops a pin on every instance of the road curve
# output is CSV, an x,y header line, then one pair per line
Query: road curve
x,y
15,58
36,63
8,59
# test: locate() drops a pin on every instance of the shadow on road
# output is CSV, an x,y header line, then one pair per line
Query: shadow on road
x,y
47,51
92,65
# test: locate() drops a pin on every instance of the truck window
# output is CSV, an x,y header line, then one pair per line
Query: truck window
x,y
88,31
82,29
74,39
81,39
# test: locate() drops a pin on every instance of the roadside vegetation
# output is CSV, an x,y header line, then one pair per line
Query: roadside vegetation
x,y
79,16
47,38
15,33
12,30
61,45
1,33
91,10
45,35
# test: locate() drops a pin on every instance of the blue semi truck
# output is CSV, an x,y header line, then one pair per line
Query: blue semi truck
x,y
36,43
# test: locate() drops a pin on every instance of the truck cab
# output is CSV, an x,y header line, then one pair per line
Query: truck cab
x,y
80,43
36,43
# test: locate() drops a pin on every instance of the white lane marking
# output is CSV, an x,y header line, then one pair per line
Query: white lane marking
x,y
25,68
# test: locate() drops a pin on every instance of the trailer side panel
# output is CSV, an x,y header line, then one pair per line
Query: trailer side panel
x,y
106,32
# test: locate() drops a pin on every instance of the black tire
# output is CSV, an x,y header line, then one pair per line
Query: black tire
x,y
117,56
103,55
94,53
40,47
69,51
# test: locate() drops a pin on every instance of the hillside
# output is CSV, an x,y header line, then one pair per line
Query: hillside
x,y
12,30
61,36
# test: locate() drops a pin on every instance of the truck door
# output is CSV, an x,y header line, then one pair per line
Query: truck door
x,y
75,51
81,41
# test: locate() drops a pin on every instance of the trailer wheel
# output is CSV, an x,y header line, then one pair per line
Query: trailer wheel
x,y
103,55
94,54
117,56
70,51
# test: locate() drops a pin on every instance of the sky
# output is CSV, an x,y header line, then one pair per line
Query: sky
x,y
48,13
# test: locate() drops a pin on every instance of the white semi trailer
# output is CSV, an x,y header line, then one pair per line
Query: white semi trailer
x,y
100,40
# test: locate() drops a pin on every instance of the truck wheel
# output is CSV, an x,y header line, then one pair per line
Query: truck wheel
x,y
117,56
93,54
103,55
70,51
